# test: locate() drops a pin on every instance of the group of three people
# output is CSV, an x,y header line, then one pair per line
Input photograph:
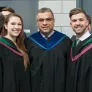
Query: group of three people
x,y
45,61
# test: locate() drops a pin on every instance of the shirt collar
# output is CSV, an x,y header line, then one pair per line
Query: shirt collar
x,y
83,37
48,35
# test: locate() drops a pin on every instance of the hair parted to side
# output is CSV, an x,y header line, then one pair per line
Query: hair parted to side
x,y
8,9
77,11
45,9
19,39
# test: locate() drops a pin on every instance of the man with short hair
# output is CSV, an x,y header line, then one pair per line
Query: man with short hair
x,y
79,74
49,52
89,28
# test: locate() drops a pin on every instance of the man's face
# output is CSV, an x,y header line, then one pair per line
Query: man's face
x,y
79,23
45,22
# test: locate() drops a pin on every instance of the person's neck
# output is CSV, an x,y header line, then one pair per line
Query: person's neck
x,y
47,34
13,39
80,35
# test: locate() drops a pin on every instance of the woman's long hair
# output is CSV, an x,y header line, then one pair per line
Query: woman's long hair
x,y
19,39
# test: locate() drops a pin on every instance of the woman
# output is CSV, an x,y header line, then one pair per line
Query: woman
x,y
14,62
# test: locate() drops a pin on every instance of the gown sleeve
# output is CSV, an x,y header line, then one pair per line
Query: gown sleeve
x,y
90,80
1,73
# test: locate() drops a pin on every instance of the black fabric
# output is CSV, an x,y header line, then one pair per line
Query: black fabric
x,y
79,75
73,38
48,66
13,77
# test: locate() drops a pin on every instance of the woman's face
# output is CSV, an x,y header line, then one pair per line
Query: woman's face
x,y
14,26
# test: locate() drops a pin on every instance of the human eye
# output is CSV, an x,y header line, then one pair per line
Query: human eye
x,y
81,19
49,19
74,20
13,23
19,24
40,20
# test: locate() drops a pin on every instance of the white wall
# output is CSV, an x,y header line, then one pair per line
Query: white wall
x,y
61,10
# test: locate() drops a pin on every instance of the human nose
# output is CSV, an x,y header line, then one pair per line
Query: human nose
x,y
77,22
45,22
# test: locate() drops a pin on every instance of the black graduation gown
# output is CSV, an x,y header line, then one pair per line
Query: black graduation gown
x,y
79,75
13,77
48,61
73,38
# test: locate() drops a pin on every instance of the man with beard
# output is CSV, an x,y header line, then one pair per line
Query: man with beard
x,y
49,52
79,74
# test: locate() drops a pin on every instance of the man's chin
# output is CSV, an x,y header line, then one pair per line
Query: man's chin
x,y
46,31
